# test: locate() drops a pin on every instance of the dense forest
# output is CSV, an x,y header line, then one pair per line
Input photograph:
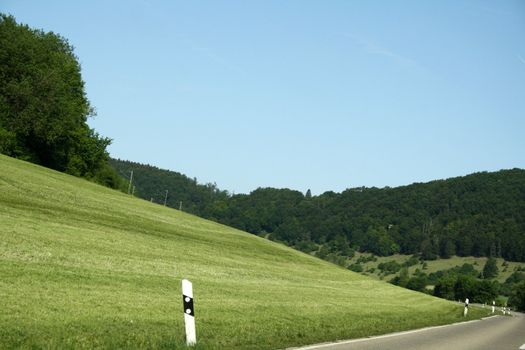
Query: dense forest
x,y
43,105
482,214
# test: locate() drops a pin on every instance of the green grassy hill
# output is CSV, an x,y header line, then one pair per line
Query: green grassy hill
x,y
83,266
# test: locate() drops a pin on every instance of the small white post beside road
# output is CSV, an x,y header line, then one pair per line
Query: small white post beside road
x,y
465,311
189,312
493,306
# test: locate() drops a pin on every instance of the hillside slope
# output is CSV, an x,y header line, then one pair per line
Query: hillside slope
x,y
480,214
84,266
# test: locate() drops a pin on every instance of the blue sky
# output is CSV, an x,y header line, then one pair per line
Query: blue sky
x,y
324,95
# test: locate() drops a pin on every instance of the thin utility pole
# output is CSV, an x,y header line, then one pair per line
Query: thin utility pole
x,y
166,198
130,181
180,205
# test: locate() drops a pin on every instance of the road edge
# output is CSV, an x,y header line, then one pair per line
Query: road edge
x,y
388,335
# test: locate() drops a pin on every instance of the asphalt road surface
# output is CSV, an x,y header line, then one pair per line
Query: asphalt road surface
x,y
493,333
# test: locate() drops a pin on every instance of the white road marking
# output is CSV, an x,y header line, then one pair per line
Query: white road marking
x,y
522,347
486,318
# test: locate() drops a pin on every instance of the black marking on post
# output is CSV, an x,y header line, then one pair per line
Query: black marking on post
x,y
188,305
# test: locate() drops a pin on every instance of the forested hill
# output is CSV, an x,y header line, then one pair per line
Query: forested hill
x,y
151,183
480,214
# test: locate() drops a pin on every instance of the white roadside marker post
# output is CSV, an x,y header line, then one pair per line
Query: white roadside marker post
x,y
493,306
189,312
465,311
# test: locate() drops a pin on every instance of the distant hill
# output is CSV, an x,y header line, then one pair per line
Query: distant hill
x,y
151,184
84,266
481,214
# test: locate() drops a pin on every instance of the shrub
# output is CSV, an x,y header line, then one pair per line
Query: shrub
x,y
389,267
356,267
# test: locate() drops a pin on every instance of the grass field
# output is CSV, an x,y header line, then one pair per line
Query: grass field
x,y
437,265
83,266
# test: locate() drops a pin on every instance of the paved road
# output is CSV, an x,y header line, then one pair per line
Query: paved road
x,y
493,333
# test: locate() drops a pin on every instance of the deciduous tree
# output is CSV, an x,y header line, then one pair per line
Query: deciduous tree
x,y
43,104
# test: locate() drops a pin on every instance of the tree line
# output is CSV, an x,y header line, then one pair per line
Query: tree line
x,y
464,282
481,214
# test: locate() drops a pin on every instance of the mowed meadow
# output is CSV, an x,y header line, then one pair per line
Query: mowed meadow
x,y
83,266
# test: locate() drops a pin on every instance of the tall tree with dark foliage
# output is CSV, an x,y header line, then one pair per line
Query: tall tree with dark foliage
x,y
43,104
